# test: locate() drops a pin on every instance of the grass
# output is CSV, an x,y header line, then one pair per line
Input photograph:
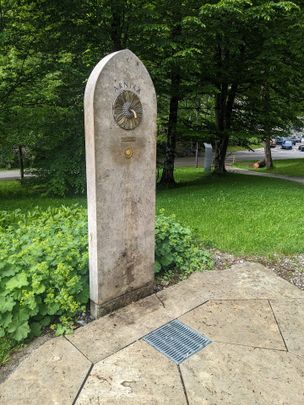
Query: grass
x,y
15,196
239,214
289,167
235,213
235,148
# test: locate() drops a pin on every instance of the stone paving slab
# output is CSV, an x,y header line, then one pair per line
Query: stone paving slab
x,y
236,375
111,333
244,322
136,375
129,371
290,317
242,281
52,374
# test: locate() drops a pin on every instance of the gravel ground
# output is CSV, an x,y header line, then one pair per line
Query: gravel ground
x,y
291,268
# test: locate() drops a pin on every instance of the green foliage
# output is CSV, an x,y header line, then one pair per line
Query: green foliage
x,y
230,58
43,270
44,266
176,248
7,345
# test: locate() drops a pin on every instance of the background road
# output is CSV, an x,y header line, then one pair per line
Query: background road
x,y
9,174
257,154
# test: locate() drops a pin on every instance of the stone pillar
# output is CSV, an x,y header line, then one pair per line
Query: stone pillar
x,y
120,130
208,157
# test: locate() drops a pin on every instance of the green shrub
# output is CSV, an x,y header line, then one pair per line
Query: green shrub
x,y
176,248
43,270
44,266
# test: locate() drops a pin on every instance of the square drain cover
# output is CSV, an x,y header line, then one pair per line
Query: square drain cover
x,y
177,341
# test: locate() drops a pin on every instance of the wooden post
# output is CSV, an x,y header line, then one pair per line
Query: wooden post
x,y
21,163
196,155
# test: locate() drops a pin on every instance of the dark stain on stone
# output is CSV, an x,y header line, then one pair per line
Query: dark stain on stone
x,y
128,384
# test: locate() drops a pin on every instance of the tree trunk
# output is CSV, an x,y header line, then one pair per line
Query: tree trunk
x,y
230,103
268,155
223,107
221,146
267,128
168,168
20,152
116,25
221,143
223,113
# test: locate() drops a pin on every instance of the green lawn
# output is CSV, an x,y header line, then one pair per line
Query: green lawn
x,y
289,167
15,196
233,148
240,214
236,213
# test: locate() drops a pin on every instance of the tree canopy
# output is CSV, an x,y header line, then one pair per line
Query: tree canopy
x,y
222,69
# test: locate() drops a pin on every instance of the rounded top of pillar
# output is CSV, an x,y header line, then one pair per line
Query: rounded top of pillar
x,y
120,64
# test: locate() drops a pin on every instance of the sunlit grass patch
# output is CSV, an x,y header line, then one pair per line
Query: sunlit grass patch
x,y
289,167
240,214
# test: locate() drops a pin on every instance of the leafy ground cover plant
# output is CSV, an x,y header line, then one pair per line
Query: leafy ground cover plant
x,y
44,266
43,270
176,249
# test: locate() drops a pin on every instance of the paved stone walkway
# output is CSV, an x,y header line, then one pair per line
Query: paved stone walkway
x,y
254,318
9,174
12,174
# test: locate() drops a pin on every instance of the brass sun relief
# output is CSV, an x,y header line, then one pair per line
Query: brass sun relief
x,y
127,110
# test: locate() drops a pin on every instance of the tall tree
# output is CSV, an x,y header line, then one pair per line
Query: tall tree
x,y
234,49
210,61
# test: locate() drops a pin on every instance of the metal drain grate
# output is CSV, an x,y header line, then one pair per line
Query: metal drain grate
x,y
177,341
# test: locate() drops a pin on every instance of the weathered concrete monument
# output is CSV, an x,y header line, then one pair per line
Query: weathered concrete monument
x,y
120,130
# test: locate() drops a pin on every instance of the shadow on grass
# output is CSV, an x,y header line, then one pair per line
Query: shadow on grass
x,y
189,178
206,180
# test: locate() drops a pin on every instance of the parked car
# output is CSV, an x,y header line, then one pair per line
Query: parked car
x,y
302,139
279,140
273,143
301,148
286,145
